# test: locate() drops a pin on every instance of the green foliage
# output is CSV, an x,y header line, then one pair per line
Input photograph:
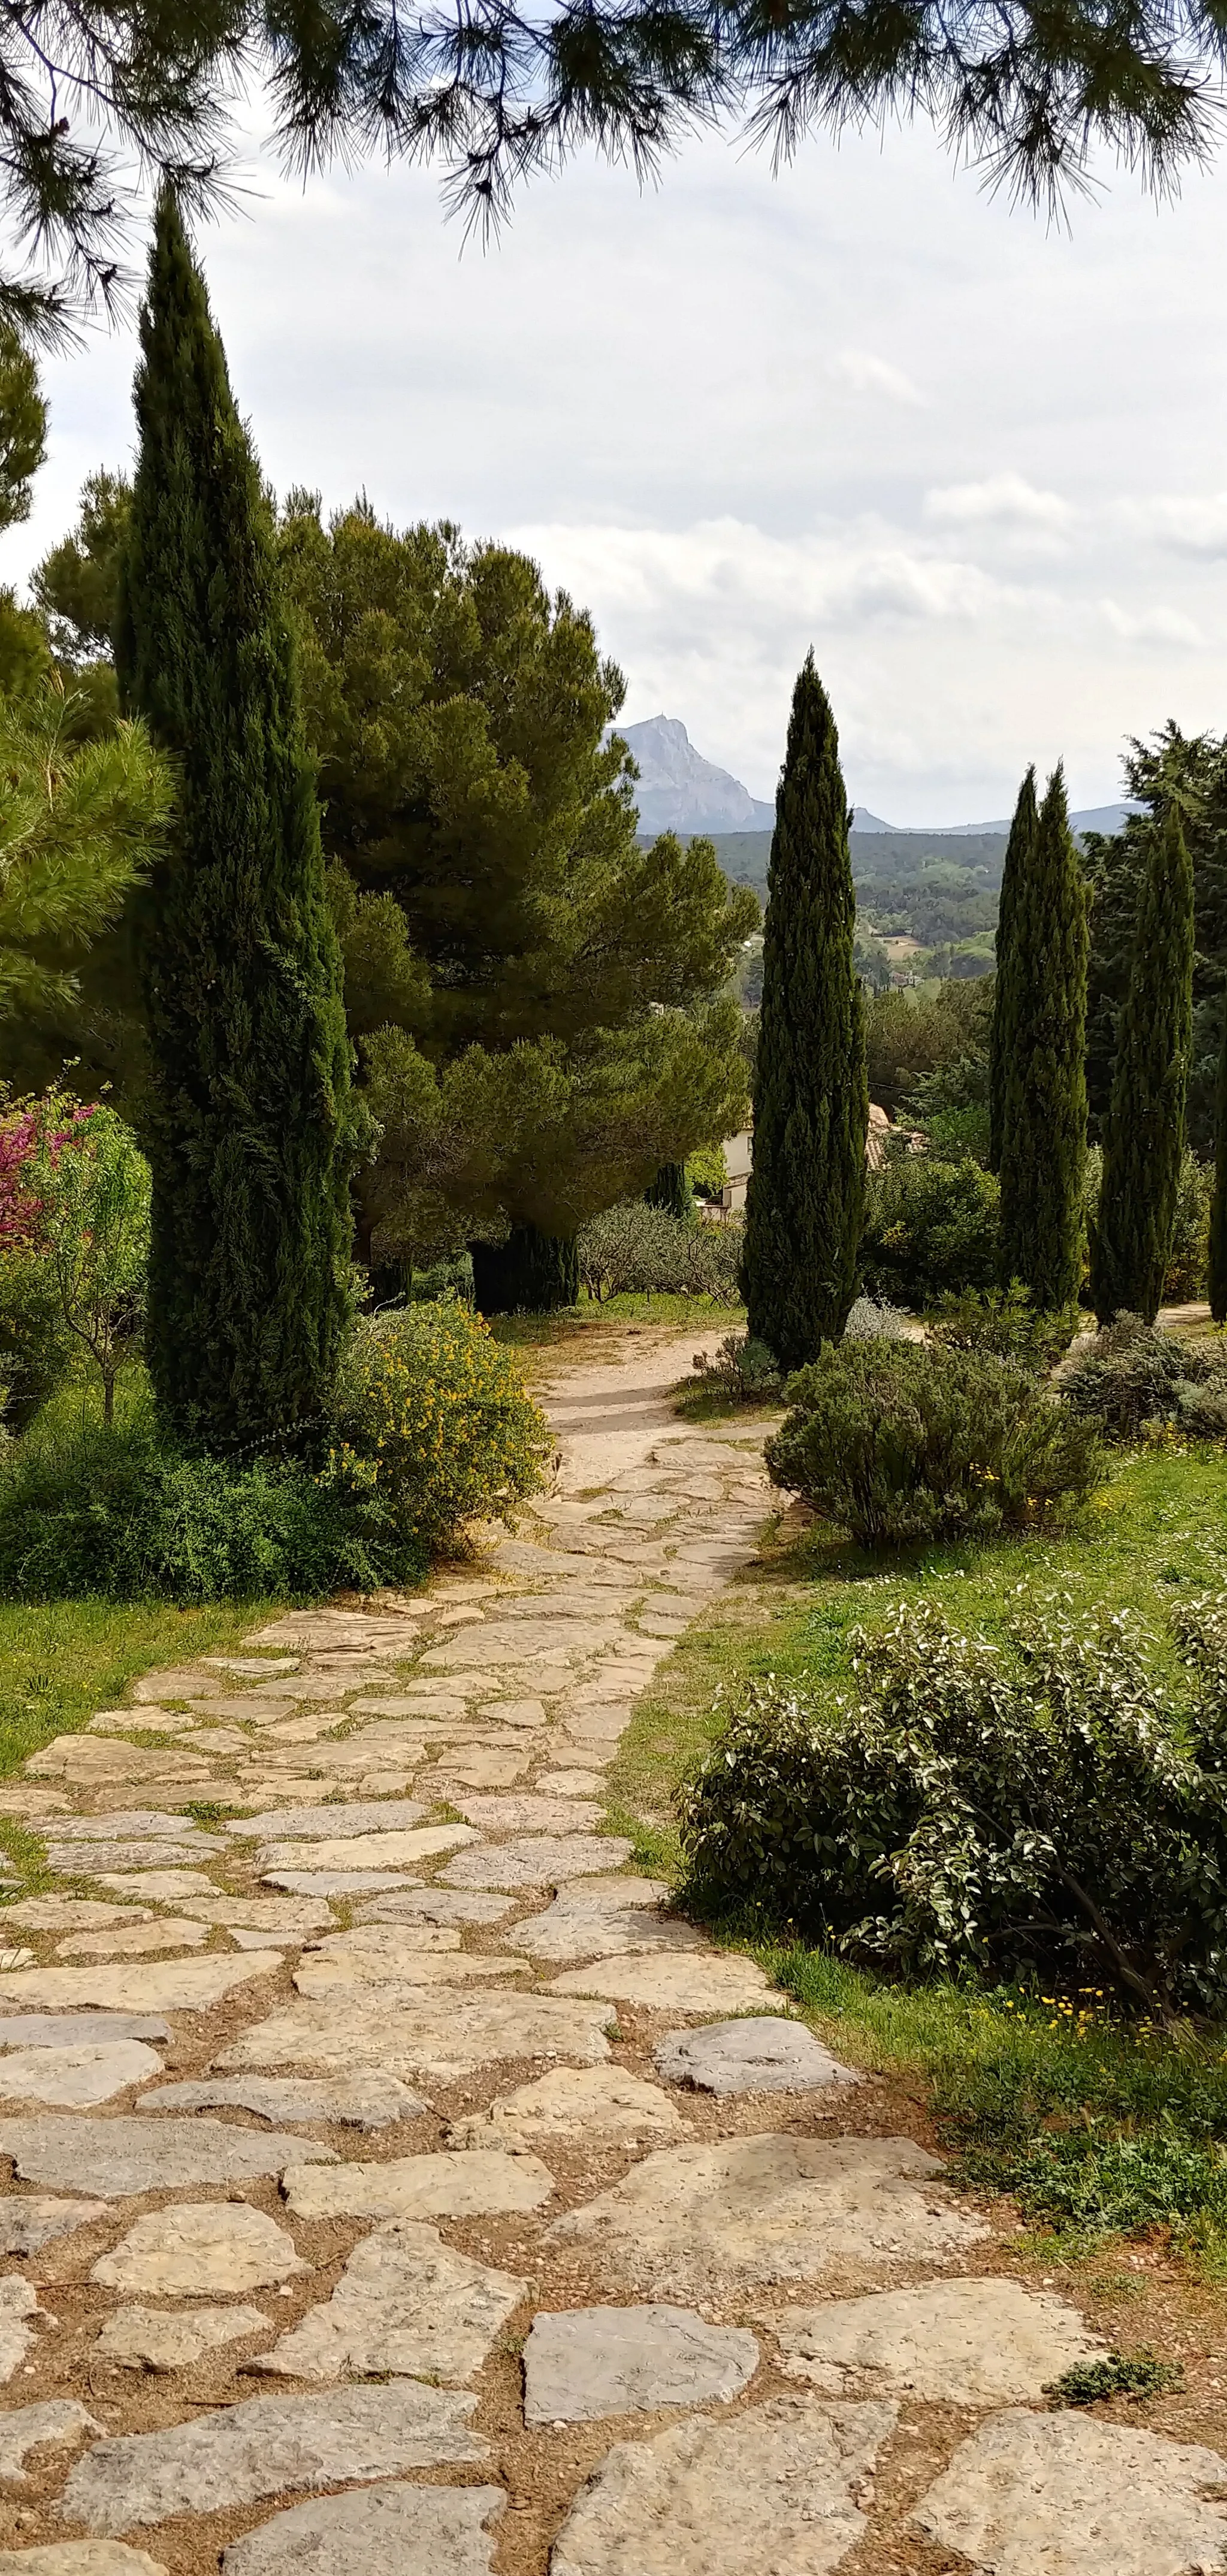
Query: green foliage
x,y
1043,1102
250,1131
1144,1130
1019,860
35,1346
1052,1811
926,1055
80,823
1217,1262
540,1001
432,1417
930,1229
902,1444
1189,1250
77,584
811,1104
637,1249
670,1189
1004,1320
23,428
1119,2374
527,1273
742,1371
118,1515
872,1321
1135,1376
92,1183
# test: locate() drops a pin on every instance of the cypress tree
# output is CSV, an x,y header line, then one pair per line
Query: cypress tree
x,y
529,1273
250,1125
1218,1206
671,1191
811,1098
1018,851
1043,1125
1144,1133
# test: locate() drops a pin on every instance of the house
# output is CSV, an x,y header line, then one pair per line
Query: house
x,y
739,1154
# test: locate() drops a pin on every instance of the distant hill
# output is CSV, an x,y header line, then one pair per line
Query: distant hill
x,y
680,791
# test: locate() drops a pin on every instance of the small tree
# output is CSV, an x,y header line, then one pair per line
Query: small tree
x,y
811,1099
1144,1135
1018,855
1043,1131
80,823
92,1183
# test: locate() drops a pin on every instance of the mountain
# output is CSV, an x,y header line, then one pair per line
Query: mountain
x,y
1093,818
679,791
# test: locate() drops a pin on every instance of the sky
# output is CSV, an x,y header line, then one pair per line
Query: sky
x,y
977,462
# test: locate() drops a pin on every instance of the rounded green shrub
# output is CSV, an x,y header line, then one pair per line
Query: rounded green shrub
x,y
432,1416
1135,1377
1004,1320
899,1443
929,1227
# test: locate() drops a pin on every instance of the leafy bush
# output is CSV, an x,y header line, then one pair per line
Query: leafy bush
x,y
1189,1258
1005,1321
639,1250
1133,1376
1055,1810
743,1371
869,1322
929,1227
87,1510
898,1442
432,1416
35,1349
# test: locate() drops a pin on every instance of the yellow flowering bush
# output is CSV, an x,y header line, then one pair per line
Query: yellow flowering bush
x,y
434,1413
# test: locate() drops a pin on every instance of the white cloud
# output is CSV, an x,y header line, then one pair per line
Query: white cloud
x,y
1157,625
865,374
1195,525
1003,501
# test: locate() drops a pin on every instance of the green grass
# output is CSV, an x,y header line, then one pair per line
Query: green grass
x,y
1096,2127
574,1324
62,1661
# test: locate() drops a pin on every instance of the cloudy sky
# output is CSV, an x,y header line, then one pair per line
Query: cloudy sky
x,y
980,464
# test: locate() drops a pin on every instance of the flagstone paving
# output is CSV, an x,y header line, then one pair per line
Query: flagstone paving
x,y
573,2252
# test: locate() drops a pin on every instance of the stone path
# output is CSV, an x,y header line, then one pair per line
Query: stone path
x,y
394,2185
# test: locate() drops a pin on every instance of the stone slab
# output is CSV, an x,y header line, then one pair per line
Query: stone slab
x,y
528,1814
124,2156
100,1860
479,2183
950,2343
133,1940
578,1783
764,2055
78,2030
410,2033
1064,2495
769,2492
57,2419
70,1914
338,1882
81,2558
577,1932
154,1985
268,2446
690,2220
691,1981
583,2363
363,2099
411,1966
407,1704
172,2339
406,2304
160,1886
385,2530
17,2305
515,1712
279,1917
73,2078
369,1816
150,1824
438,1905
537,1860
370,1850
574,2103
214,2248
30,2222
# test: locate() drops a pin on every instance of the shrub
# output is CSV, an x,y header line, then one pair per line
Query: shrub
x,y
35,1349
1052,1811
900,1443
432,1412
1189,1258
1005,1321
929,1227
112,1513
1133,1376
743,1371
869,1322
638,1250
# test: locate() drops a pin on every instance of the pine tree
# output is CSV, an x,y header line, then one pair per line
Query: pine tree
x,y
811,1099
1043,1127
250,1127
1144,1133
1018,851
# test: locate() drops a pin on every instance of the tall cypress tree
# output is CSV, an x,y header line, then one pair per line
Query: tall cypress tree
x,y
1043,1127
1218,1206
1144,1133
251,1126
1018,850
811,1099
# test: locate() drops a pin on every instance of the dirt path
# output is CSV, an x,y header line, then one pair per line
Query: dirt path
x,y
396,2187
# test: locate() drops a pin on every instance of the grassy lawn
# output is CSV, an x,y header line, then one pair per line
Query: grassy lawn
x,y
1094,2126
63,1660
578,1326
